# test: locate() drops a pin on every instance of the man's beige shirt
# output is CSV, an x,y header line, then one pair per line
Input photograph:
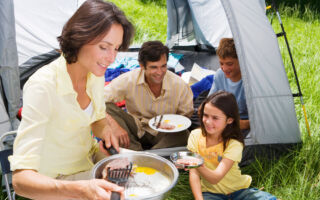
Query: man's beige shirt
x,y
54,136
176,97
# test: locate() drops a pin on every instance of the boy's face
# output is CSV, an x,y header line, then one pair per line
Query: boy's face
x,y
231,68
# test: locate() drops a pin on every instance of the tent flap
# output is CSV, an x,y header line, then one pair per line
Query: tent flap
x,y
9,70
188,23
269,98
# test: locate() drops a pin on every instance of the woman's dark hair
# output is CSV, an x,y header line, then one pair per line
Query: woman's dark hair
x,y
152,51
91,21
227,103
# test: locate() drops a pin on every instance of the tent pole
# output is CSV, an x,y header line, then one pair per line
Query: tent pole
x,y
293,66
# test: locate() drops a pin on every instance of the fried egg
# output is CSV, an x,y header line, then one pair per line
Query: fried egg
x,y
146,181
146,170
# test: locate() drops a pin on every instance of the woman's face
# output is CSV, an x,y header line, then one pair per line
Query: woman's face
x,y
214,120
96,56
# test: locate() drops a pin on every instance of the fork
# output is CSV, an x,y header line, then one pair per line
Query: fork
x,y
159,123
155,121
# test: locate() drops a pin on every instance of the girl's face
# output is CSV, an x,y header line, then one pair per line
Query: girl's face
x,y
95,57
214,120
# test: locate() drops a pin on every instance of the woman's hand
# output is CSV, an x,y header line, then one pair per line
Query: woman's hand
x,y
121,134
31,184
107,150
103,130
99,189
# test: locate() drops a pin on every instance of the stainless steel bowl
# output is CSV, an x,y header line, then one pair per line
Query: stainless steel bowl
x,y
146,160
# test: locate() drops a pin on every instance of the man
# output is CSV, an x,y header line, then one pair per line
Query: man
x,y
148,91
228,78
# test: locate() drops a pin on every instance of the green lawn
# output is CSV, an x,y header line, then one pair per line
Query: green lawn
x,y
147,27
295,176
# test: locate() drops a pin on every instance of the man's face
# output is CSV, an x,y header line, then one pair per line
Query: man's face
x,y
231,68
155,71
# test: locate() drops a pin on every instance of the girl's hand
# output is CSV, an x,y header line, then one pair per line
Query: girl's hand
x,y
99,189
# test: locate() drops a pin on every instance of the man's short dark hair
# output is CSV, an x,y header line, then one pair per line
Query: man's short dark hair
x,y
152,51
92,20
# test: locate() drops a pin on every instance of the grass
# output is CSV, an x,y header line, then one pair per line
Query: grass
x,y
295,176
301,5
302,34
147,27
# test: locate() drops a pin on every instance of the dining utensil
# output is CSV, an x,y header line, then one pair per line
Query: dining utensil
x,y
180,122
120,177
190,159
155,121
111,150
144,159
159,123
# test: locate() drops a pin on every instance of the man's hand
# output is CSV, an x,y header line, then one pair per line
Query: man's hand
x,y
244,124
123,137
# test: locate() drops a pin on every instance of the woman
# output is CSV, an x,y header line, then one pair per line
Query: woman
x,y
63,103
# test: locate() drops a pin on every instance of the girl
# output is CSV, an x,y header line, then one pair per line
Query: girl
x,y
220,142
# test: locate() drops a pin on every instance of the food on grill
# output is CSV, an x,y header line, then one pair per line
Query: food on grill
x,y
146,181
167,126
143,181
188,161
115,164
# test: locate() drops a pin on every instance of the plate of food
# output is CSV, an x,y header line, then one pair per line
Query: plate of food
x,y
169,123
186,159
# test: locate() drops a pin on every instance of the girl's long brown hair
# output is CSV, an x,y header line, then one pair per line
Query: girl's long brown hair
x,y
226,102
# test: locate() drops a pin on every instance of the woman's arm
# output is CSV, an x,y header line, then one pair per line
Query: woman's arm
x,y
31,184
194,180
214,176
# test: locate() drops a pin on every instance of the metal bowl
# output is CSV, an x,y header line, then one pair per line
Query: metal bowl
x,y
146,160
184,155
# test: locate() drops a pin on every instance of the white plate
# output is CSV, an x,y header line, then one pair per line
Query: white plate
x,y
179,121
